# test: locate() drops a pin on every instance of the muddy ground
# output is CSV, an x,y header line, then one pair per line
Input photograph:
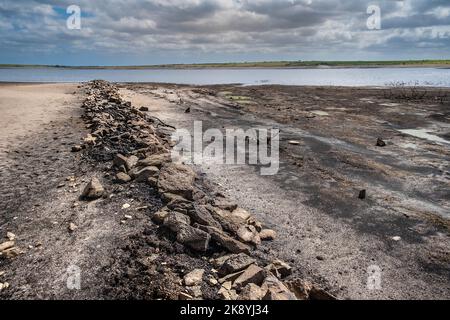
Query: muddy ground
x,y
325,231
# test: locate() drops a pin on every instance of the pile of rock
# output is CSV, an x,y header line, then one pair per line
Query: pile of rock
x,y
200,219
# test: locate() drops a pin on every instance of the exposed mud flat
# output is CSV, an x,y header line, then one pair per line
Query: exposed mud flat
x,y
327,235
111,206
401,226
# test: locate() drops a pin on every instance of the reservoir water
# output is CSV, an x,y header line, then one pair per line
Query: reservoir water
x,y
438,77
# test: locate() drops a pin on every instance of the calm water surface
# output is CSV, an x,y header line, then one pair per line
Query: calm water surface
x,y
439,77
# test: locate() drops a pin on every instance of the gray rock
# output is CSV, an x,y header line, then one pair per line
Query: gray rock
x,y
267,235
160,215
251,292
122,177
120,160
194,238
177,179
175,221
156,160
226,241
279,268
202,215
276,290
194,277
253,274
236,263
93,190
248,233
144,174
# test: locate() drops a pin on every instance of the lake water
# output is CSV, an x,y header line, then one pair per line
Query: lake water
x,y
439,77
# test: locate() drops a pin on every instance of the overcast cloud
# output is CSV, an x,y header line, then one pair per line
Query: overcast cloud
x,y
127,32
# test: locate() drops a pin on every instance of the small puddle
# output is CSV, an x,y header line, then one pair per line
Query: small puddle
x,y
424,134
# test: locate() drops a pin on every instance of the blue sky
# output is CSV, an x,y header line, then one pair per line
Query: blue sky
x,y
132,32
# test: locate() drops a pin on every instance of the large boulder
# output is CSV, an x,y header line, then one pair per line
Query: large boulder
x,y
176,179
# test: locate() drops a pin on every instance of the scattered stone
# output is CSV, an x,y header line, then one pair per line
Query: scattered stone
x,y
241,213
177,179
253,274
212,281
185,296
160,215
93,190
122,177
226,241
194,238
126,206
196,291
194,277
6,245
128,217
4,286
156,160
251,292
248,233
144,174
77,148
72,227
202,215
226,294
267,235
275,290
143,109
396,238
320,258
226,204
10,236
294,142
119,160
175,221
380,143
362,194
236,263
279,268
132,162
231,277
90,140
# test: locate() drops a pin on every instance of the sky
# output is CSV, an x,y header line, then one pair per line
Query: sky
x,y
138,32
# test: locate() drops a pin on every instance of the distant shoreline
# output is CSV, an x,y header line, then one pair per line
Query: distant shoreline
x,y
260,65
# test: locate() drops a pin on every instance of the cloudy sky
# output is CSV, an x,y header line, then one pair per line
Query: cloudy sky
x,y
131,32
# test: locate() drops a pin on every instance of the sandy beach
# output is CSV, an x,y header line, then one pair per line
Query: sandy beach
x,y
325,231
